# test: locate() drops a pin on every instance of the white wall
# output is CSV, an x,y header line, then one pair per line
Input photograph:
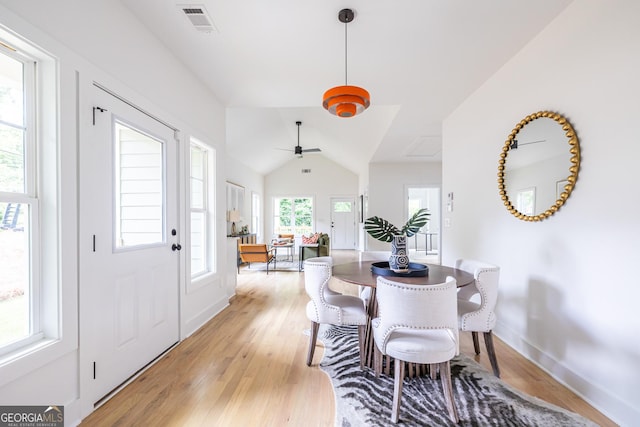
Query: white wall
x,y
102,41
387,182
327,179
568,289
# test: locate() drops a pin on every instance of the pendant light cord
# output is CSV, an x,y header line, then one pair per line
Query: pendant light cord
x,y
345,54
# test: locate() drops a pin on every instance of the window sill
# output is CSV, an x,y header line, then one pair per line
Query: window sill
x,y
201,281
29,358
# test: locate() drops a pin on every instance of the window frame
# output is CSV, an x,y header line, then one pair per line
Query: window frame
x,y
294,228
29,200
50,167
256,215
197,279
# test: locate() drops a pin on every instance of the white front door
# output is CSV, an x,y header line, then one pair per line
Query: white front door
x,y
343,223
129,260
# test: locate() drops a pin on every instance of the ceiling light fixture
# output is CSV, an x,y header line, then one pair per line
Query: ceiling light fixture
x,y
346,101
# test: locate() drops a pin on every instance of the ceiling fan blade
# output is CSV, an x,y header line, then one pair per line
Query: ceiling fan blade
x,y
515,144
311,150
284,149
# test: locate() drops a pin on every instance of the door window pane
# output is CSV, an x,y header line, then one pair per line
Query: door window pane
x,y
342,207
139,189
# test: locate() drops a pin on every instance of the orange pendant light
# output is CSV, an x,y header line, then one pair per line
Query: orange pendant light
x,y
346,101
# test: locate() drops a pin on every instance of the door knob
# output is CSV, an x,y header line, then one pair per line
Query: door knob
x,y
176,247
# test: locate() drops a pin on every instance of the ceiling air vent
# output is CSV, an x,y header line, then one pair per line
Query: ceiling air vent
x,y
306,170
199,18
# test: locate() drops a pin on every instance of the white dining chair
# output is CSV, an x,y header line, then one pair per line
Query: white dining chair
x,y
330,307
328,260
476,305
417,324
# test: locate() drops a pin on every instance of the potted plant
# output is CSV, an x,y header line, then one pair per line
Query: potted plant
x,y
383,230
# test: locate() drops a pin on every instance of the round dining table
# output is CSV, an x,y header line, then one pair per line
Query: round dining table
x,y
360,273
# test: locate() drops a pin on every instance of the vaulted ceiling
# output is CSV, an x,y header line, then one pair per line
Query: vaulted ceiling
x,y
269,63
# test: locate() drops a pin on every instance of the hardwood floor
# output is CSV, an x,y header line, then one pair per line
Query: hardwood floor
x,y
246,367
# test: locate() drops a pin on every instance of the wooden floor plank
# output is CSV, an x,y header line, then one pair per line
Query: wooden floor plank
x,y
247,367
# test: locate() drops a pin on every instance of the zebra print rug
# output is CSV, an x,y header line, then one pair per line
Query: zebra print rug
x,y
481,399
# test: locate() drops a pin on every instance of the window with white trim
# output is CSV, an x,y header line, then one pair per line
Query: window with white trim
x,y
293,215
256,216
201,206
27,183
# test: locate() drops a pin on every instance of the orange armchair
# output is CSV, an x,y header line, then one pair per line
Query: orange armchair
x,y
257,253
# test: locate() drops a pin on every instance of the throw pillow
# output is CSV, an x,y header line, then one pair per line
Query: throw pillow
x,y
311,239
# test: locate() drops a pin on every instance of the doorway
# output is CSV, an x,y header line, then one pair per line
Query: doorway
x,y
129,262
425,245
343,223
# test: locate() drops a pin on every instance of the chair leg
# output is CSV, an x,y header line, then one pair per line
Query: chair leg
x,y
476,342
312,341
397,389
447,389
488,341
410,369
361,332
377,360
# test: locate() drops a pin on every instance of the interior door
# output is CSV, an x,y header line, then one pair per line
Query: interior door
x,y
343,223
129,278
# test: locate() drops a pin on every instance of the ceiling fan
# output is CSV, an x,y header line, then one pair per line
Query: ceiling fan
x,y
515,144
298,149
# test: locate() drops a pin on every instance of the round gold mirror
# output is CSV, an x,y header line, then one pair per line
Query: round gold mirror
x,y
538,166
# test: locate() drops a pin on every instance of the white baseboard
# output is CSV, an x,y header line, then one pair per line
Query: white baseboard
x,y
603,400
197,321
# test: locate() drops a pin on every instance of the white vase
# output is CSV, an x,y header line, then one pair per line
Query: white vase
x,y
399,260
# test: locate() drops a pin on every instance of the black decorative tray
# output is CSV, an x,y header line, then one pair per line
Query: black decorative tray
x,y
414,270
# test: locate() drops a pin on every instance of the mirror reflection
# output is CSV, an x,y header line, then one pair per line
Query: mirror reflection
x,y
538,166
